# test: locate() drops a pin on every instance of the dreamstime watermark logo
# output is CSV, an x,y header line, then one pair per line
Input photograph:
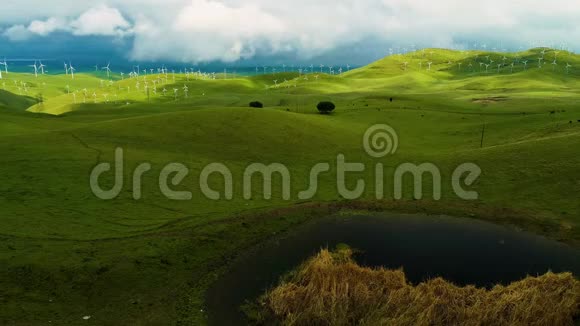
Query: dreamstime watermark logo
x,y
379,141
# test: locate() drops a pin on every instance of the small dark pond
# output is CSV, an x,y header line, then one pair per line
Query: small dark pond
x,y
464,251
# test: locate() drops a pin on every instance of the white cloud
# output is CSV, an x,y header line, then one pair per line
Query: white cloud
x,y
46,27
17,33
100,20
205,30
202,30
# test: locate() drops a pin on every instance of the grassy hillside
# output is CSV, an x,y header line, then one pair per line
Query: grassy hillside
x,y
65,254
9,101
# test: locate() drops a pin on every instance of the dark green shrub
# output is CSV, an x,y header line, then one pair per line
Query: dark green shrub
x,y
256,104
325,107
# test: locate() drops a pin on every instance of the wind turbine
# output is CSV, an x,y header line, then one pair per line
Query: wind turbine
x,y
41,66
72,70
5,64
525,64
106,68
554,64
185,90
568,66
35,69
65,69
429,63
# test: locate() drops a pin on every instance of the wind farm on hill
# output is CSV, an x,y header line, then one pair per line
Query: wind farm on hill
x,y
68,257
69,91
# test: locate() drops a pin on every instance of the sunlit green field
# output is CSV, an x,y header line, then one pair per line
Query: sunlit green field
x,y
65,254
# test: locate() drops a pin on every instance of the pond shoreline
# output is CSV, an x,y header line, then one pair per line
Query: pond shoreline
x,y
339,210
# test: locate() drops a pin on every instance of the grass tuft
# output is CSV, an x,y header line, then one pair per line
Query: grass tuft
x,y
331,289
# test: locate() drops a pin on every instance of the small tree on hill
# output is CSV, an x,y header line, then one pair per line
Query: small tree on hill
x,y
325,107
40,99
256,104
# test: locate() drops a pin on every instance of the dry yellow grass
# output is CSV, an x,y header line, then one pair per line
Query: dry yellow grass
x,y
331,289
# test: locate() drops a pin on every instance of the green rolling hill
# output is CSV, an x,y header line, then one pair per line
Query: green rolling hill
x,y
149,261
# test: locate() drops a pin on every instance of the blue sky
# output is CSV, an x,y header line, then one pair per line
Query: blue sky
x,y
264,31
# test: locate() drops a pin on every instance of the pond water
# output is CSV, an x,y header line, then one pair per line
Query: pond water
x,y
464,251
